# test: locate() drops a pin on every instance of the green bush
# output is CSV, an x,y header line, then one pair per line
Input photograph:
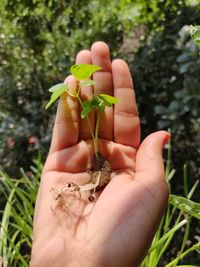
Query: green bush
x,y
38,43
166,71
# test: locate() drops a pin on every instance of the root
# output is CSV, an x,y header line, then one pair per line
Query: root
x,y
63,195
100,176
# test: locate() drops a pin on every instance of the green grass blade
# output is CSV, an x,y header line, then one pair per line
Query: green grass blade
x,y
185,205
17,217
185,180
168,234
4,227
193,248
190,194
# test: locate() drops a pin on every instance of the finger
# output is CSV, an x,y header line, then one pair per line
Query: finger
x,y
101,57
149,165
119,156
66,126
84,57
126,119
77,158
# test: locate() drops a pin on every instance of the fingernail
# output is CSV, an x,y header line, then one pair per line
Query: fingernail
x,y
167,138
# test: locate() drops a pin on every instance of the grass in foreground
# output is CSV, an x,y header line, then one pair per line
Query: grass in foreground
x,y
17,218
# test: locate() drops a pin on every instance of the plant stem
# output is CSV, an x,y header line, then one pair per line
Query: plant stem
x,y
87,119
81,103
96,134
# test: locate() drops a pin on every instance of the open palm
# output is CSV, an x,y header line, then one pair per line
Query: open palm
x,y
117,228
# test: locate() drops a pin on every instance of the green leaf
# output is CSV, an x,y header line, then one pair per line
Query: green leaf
x,y
98,102
190,207
108,99
56,92
58,87
195,34
94,104
84,71
87,83
87,108
101,104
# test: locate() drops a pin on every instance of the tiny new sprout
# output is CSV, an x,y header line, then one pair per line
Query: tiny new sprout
x,y
82,74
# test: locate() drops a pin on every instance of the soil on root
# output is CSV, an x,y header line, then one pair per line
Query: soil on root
x,y
102,165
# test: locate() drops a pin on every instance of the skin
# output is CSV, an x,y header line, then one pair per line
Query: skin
x,y
117,229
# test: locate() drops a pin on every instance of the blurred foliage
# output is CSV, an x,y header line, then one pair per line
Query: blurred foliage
x,y
166,71
38,43
195,34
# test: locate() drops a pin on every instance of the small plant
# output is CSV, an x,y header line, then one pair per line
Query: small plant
x,y
98,103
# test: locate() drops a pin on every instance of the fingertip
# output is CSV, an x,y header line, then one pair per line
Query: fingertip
x,y
159,138
119,61
101,56
84,57
150,152
100,46
166,138
149,160
70,80
121,74
120,65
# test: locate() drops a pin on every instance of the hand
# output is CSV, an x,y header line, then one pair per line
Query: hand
x,y
118,227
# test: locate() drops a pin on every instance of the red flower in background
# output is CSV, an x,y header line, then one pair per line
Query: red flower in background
x,y
32,140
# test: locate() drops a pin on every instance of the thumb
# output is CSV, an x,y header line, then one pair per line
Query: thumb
x,y
149,163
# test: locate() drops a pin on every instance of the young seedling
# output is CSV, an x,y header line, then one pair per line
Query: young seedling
x,y
97,103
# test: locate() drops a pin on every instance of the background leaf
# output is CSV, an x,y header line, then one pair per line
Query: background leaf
x,y
83,71
195,34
